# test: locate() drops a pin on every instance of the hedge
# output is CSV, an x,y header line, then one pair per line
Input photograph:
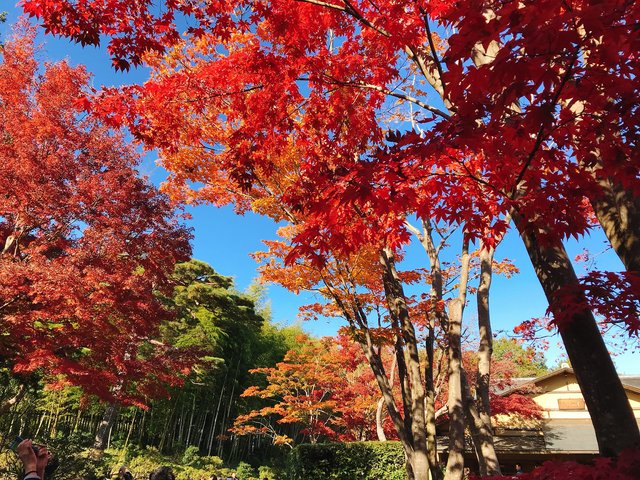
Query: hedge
x,y
347,461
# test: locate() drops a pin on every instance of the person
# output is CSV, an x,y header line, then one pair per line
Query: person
x,y
124,474
519,469
162,473
34,460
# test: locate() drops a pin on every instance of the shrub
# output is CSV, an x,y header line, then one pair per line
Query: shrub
x,y
76,462
145,462
267,472
10,466
357,460
625,467
191,456
246,471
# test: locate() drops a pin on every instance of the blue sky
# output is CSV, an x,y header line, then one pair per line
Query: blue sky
x,y
225,240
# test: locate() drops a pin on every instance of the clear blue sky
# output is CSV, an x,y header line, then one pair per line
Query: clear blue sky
x,y
225,240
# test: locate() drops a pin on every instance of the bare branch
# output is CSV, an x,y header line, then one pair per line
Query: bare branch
x,y
434,53
413,230
332,6
386,91
351,10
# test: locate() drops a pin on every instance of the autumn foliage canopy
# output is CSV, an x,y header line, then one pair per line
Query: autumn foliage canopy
x,y
456,111
346,118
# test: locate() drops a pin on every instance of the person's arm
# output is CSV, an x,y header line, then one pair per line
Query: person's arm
x,y
43,456
29,459
33,464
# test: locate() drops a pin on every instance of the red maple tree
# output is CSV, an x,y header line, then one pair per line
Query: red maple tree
x,y
323,389
85,241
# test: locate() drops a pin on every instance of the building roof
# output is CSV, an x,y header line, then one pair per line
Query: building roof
x,y
562,436
570,436
629,382
558,437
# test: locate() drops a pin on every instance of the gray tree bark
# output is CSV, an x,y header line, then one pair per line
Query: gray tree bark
x,y
613,420
104,427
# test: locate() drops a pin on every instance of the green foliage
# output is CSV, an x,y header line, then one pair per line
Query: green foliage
x,y
257,292
77,463
357,460
228,335
207,306
10,466
192,458
246,471
267,472
145,462
191,465
527,361
191,455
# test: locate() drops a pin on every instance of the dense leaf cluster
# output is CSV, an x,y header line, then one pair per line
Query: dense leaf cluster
x,y
85,242
625,467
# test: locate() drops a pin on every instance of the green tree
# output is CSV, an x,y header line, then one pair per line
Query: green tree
x,y
527,361
231,333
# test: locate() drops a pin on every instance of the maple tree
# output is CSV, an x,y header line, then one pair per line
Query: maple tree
x,y
504,370
323,388
85,242
535,111
368,293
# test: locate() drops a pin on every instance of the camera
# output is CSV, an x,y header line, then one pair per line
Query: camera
x,y
18,440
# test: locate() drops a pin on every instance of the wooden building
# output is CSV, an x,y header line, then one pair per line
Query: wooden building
x,y
565,432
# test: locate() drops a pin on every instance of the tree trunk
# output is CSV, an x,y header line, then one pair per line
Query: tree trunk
x,y
215,417
430,405
7,404
485,346
613,420
104,428
76,424
455,462
398,309
437,317
380,408
617,208
379,428
372,353
193,410
481,434
479,413
131,425
618,211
